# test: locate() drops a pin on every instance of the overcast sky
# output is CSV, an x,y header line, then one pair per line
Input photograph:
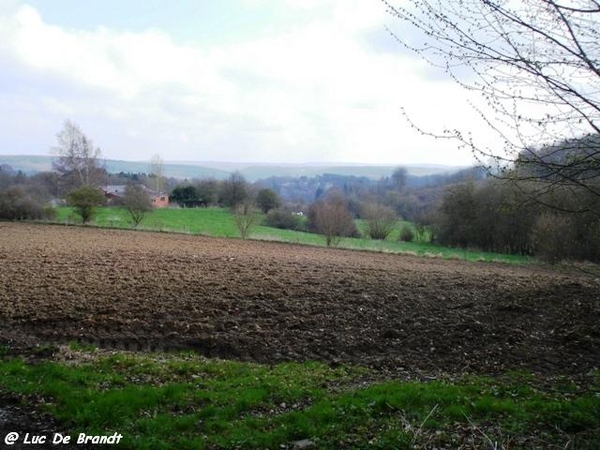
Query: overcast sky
x,y
242,80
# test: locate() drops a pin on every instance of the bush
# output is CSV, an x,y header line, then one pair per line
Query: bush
x,y
379,220
16,204
267,200
84,201
185,196
285,220
406,234
49,213
332,219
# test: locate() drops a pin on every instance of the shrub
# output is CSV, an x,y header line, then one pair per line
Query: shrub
x,y
267,200
406,234
185,196
332,219
379,220
49,213
285,220
420,231
16,204
84,201
426,227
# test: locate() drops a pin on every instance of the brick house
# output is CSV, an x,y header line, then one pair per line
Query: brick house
x,y
115,193
159,200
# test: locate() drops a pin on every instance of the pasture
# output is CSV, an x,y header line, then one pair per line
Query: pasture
x,y
218,222
288,345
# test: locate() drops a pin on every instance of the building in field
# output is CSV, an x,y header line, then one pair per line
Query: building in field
x,y
159,199
115,193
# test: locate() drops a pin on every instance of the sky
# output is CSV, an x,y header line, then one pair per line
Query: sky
x,y
264,81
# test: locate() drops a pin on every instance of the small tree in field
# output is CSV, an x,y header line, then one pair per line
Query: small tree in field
x,y
245,217
267,200
85,200
137,202
332,219
379,220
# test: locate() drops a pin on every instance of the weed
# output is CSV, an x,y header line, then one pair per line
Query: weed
x,y
81,347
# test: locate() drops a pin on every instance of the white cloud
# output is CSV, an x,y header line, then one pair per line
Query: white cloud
x,y
314,92
125,63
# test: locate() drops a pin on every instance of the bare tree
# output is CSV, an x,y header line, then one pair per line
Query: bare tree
x,y
332,219
78,161
536,64
137,202
157,173
245,217
234,190
380,220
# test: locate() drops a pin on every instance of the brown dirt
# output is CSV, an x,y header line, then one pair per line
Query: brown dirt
x,y
270,302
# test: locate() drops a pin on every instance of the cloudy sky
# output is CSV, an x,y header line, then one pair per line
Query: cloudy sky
x,y
243,80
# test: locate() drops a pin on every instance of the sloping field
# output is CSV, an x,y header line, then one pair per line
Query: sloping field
x,y
269,302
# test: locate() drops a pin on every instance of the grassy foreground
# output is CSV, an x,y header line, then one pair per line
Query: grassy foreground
x,y
163,401
219,222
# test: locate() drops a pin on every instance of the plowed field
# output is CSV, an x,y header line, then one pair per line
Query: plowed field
x,y
269,302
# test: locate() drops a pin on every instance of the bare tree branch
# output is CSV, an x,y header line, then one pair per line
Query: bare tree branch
x,y
536,65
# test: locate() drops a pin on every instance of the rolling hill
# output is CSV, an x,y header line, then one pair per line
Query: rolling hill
x,y
221,170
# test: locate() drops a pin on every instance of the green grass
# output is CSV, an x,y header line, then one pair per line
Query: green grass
x,y
169,401
206,221
219,222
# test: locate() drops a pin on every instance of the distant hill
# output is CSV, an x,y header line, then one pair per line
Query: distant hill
x,y
221,170
257,172
27,164
32,164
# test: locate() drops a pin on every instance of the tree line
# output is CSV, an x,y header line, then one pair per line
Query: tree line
x,y
525,209
529,209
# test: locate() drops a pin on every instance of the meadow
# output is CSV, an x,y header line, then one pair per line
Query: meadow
x,y
218,222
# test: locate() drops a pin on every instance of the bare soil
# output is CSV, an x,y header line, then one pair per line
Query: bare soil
x,y
271,302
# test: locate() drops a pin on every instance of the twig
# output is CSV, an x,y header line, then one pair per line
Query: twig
x,y
418,432
493,444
